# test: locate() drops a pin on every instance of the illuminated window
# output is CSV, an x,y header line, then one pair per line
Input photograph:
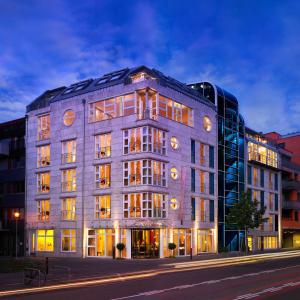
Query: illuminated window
x,y
44,127
102,207
202,181
141,77
103,145
43,182
45,240
68,209
69,117
204,241
144,205
173,203
270,242
174,143
255,176
43,207
174,173
102,173
203,212
182,239
101,242
43,156
271,201
69,151
68,240
207,125
68,183
262,154
202,154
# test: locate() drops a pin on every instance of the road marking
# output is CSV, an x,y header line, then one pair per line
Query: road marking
x,y
268,290
187,286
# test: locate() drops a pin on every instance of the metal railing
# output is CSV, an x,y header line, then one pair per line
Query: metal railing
x,y
44,161
68,186
68,215
67,158
44,216
103,183
44,134
44,188
103,152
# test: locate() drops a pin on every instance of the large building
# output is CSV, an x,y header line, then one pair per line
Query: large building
x,y
12,185
290,154
129,157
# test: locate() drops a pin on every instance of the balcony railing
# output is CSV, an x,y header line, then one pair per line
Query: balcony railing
x,y
44,188
68,186
103,152
44,161
44,134
103,213
44,216
67,158
155,212
68,215
135,179
103,182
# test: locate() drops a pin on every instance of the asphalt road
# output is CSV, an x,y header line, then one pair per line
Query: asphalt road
x,y
269,279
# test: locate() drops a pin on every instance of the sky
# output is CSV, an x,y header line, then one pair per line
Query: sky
x,y
250,48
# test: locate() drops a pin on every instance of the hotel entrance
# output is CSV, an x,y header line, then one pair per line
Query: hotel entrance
x,y
145,243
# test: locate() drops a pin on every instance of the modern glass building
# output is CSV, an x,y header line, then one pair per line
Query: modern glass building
x,y
231,159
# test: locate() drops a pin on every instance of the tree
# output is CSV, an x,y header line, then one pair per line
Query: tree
x,y
172,247
245,215
120,247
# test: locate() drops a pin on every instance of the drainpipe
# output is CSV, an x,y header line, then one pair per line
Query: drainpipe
x,y
82,187
26,242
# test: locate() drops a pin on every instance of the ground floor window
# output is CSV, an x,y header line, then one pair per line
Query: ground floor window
x,y
182,239
45,240
270,242
250,241
101,242
68,240
204,240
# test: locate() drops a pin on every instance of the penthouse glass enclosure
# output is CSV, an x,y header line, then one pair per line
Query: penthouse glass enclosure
x,y
231,160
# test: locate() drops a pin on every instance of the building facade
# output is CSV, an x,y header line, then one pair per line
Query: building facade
x,y
290,152
264,184
129,157
12,187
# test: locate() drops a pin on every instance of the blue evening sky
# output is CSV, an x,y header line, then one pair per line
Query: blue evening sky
x,y
250,48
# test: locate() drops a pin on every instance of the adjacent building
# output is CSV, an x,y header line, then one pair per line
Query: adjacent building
x,y
12,187
129,157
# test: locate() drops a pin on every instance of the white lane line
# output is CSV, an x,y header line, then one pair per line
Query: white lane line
x,y
187,286
268,290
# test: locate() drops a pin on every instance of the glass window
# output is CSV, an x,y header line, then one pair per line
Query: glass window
x,y
69,117
68,240
204,241
193,150
193,205
69,152
193,179
43,182
101,242
211,183
43,127
202,154
68,180
45,240
43,207
43,156
103,174
102,207
211,157
68,209
103,145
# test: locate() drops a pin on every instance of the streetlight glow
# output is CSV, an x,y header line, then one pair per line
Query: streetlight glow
x,y
16,215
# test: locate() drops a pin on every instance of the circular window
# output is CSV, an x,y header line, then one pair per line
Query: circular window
x,y
207,123
173,203
174,173
174,143
69,117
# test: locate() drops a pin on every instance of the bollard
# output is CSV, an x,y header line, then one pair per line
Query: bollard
x,y
46,265
191,255
114,252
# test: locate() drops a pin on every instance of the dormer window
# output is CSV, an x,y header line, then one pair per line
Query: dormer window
x,y
141,77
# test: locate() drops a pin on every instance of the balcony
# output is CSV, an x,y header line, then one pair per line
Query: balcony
x,y
291,184
288,204
44,216
67,158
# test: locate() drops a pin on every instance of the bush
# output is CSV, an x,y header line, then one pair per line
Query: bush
x,y
120,247
172,246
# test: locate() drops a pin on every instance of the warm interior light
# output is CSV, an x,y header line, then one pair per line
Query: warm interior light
x,y
17,214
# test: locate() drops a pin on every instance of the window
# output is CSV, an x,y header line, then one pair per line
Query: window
x,y
202,154
68,209
270,242
204,241
255,176
202,181
174,143
271,201
102,207
144,139
193,146
182,239
145,205
211,211
68,183
276,202
193,179
43,207
68,240
276,181
102,176
262,178
203,215
45,240
211,154
262,199
207,125
43,182
211,184
250,175
144,172
43,156
103,145
193,205
101,242
68,152
174,173
69,117
44,127
262,154
270,181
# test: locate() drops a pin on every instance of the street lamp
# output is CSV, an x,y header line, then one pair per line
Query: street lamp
x,y
16,215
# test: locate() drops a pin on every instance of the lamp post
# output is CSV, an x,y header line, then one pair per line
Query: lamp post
x,y
16,215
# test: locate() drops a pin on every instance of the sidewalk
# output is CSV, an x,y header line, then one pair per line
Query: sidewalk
x,y
62,270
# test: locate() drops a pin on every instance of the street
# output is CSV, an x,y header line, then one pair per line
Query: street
x,y
258,279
